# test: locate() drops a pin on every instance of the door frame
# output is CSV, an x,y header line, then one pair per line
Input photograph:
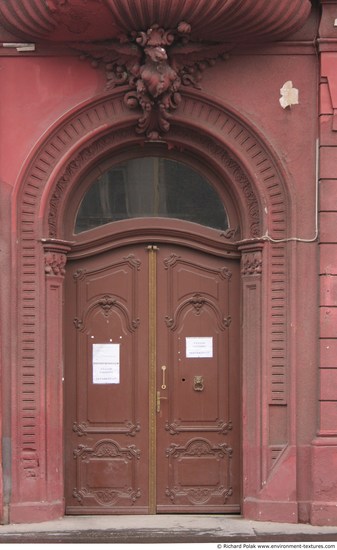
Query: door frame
x,y
261,191
141,232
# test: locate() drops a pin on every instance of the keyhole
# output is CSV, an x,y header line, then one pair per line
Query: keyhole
x,y
183,379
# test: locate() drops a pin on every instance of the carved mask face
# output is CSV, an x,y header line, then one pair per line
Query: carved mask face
x,y
156,54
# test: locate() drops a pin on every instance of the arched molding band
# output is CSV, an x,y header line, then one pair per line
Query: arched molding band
x,y
229,143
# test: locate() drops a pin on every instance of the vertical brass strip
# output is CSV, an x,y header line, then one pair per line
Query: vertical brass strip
x,y
152,379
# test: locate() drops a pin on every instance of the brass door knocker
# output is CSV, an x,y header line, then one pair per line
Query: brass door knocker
x,y
198,383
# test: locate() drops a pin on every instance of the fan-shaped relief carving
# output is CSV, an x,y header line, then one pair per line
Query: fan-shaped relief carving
x,y
212,485
107,303
121,464
198,448
106,496
130,428
198,302
199,495
106,448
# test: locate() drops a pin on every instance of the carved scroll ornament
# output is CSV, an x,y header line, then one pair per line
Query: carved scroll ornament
x,y
154,65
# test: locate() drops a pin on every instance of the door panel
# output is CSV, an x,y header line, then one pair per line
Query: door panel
x,y
198,456
106,387
183,453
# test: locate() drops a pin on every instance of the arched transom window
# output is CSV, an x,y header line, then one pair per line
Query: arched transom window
x,y
151,187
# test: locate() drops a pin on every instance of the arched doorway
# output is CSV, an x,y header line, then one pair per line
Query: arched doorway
x,y
231,154
152,356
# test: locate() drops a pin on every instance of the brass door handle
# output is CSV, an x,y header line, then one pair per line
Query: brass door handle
x,y
158,401
163,386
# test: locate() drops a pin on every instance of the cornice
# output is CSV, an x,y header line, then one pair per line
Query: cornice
x,y
210,20
154,48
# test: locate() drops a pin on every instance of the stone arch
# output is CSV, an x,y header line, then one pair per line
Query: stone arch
x,y
258,182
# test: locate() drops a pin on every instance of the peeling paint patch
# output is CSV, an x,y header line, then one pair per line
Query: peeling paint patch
x,y
289,95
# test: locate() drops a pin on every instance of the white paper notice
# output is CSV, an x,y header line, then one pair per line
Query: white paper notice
x,y
105,363
199,347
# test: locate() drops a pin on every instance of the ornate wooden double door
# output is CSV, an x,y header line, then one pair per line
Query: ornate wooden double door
x,y
152,380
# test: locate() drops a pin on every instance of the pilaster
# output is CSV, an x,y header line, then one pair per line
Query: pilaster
x,y
268,497
324,447
42,462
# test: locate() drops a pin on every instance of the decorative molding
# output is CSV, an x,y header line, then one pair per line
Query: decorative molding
x,y
154,64
106,496
211,20
220,154
132,261
55,264
107,303
199,495
225,273
171,261
83,159
252,264
105,449
55,257
264,178
82,429
78,323
209,146
199,449
222,427
197,301
79,274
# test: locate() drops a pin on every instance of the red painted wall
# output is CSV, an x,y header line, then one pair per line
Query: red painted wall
x,y
41,89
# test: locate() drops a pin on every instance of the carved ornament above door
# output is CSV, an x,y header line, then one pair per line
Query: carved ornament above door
x,y
153,47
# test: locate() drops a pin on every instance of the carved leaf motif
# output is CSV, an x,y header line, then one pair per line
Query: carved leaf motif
x,y
55,264
252,264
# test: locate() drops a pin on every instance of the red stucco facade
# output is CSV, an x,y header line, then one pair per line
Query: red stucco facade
x,y
277,165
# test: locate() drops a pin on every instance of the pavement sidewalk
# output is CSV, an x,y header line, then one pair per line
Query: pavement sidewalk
x,y
164,529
